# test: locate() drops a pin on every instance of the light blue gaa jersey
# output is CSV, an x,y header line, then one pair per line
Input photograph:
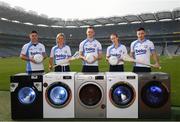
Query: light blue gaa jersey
x,y
30,50
118,52
142,51
59,54
92,47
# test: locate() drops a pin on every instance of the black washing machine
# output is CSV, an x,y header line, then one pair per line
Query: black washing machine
x,y
26,96
154,95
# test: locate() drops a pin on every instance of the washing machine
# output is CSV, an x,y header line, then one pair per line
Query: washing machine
x,y
122,95
154,95
26,96
90,95
58,95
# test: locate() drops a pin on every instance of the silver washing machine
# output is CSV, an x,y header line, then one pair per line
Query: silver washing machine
x,y
90,95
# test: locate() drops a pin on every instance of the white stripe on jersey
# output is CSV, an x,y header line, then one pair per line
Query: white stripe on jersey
x,y
93,47
142,51
30,50
118,52
59,54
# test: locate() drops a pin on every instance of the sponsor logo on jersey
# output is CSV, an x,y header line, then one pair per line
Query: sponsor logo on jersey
x,y
60,56
140,51
34,53
89,50
117,55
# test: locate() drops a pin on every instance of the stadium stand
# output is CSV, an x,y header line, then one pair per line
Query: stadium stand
x,y
16,23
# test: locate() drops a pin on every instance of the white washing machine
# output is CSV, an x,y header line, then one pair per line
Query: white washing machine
x,y
122,95
90,95
58,95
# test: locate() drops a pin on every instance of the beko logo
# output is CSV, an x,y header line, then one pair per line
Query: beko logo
x,y
90,49
141,51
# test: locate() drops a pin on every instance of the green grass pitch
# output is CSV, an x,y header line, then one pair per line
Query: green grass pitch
x,y
12,65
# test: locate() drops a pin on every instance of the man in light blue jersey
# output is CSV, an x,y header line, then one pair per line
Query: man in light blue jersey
x,y
142,49
28,52
90,46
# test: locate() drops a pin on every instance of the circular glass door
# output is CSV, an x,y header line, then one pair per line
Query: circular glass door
x,y
122,94
58,94
90,94
154,94
26,95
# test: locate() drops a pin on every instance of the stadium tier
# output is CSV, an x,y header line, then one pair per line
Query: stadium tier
x,y
163,28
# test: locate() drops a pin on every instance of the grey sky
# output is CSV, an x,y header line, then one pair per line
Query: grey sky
x,y
82,9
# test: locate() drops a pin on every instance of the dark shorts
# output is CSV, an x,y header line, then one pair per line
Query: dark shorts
x,y
34,72
116,68
62,69
141,69
90,69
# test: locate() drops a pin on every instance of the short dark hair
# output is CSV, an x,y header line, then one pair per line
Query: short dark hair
x,y
90,27
115,34
33,31
141,29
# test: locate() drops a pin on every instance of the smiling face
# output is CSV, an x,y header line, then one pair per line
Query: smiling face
x,y
141,34
90,33
60,40
114,38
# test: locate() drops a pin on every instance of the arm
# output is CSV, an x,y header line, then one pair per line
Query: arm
x,y
156,59
50,63
154,55
131,54
25,58
81,56
99,57
44,55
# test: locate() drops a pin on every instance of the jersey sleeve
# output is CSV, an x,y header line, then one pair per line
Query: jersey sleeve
x,y
99,47
43,49
151,46
132,47
107,52
68,51
124,50
24,50
52,53
81,47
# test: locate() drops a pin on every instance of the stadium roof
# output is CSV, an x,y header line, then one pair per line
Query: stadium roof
x,y
19,15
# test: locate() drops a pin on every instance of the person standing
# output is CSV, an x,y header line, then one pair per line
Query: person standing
x,y
59,53
90,46
28,52
142,49
118,50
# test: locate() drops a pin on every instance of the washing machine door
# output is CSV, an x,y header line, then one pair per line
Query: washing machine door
x,y
122,94
26,95
58,95
90,94
154,94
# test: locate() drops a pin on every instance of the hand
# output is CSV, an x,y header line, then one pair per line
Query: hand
x,y
69,59
119,60
50,67
32,60
157,65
